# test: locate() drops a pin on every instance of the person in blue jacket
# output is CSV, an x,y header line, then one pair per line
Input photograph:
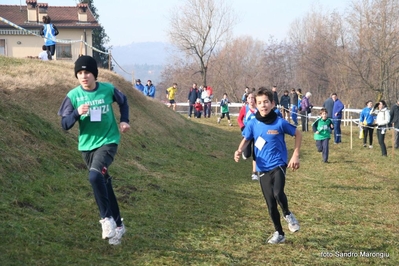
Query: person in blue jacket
x,y
49,31
337,116
294,114
149,89
268,130
139,86
366,121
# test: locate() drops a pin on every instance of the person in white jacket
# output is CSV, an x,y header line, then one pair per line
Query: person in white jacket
x,y
383,117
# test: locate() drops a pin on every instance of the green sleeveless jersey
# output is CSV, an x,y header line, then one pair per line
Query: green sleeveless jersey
x,y
98,127
323,126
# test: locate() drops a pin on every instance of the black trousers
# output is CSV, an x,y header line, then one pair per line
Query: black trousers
x,y
304,120
272,184
368,131
381,140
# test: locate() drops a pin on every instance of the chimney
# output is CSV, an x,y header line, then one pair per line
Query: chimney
x,y
32,10
42,10
82,12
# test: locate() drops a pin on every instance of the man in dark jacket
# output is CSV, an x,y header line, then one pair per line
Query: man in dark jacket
x,y
285,103
395,121
192,98
275,96
329,105
294,96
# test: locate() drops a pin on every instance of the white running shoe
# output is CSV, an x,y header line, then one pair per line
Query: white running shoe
x,y
276,238
108,225
218,120
293,224
371,146
119,232
255,177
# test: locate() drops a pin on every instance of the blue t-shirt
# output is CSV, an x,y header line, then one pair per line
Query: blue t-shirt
x,y
273,152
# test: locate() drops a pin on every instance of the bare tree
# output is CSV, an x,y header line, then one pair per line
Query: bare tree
x,y
374,44
198,26
236,65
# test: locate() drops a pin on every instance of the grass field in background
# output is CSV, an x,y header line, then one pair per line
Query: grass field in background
x,y
183,199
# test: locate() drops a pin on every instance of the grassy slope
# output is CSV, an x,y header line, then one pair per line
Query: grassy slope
x,y
183,199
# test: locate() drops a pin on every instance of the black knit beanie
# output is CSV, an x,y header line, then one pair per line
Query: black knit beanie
x,y
86,63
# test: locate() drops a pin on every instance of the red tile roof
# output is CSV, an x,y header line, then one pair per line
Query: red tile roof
x,y
61,16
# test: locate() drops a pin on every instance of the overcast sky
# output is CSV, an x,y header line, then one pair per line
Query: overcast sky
x,y
127,21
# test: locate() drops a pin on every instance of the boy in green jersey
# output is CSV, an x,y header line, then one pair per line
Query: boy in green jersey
x,y
90,104
224,106
322,130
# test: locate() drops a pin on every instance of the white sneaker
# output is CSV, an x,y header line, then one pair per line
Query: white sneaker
x,y
371,146
218,120
293,224
255,177
119,232
276,238
108,225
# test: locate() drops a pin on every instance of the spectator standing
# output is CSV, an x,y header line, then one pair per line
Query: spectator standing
x,y
192,98
337,116
247,113
90,104
207,98
49,31
306,109
294,99
294,114
322,129
43,55
275,96
329,105
300,96
366,121
139,86
200,91
383,118
272,160
149,89
170,95
394,113
285,103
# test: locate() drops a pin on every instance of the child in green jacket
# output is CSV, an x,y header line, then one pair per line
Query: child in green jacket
x,y
322,130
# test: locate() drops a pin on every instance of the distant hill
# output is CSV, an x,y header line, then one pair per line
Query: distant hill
x,y
145,59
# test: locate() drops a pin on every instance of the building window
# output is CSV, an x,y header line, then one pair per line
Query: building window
x,y
2,47
63,51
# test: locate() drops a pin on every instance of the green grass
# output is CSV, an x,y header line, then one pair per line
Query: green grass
x,y
183,198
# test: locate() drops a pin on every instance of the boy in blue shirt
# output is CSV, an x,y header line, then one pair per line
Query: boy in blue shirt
x,y
268,131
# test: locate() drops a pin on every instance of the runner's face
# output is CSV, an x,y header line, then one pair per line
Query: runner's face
x,y
251,99
86,80
264,105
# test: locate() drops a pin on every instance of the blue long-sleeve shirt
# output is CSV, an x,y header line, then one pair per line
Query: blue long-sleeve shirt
x,y
149,90
366,115
337,109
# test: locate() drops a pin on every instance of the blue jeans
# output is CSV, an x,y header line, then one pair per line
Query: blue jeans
x,y
337,130
98,162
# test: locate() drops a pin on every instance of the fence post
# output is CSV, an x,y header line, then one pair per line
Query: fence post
x,y
351,133
393,139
